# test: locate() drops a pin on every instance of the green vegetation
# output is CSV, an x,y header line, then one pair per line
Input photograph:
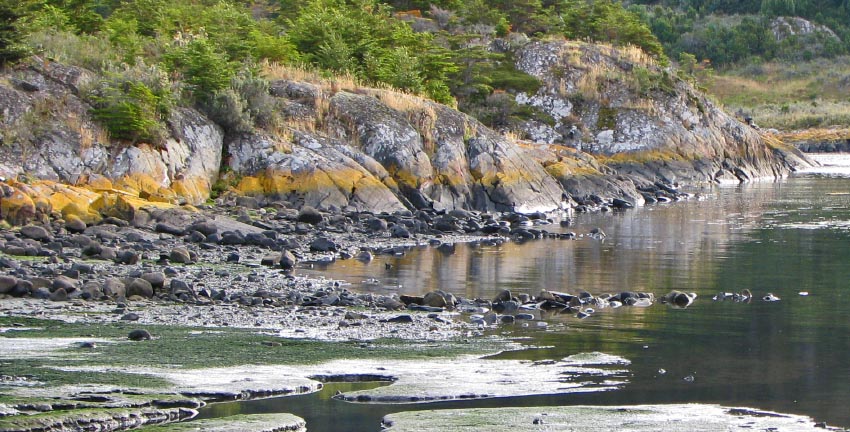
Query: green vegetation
x,y
788,96
11,38
756,59
201,348
153,55
727,32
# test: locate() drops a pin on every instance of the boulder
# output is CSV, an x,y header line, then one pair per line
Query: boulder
x,y
59,295
7,283
180,255
287,260
310,215
64,283
127,257
16,207
35,232
140,287
156,279
114,288
139,335
323,244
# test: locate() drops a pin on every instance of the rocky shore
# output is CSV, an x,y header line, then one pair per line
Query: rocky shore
x,y
236,263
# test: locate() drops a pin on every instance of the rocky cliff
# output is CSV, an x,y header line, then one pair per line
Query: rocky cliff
x,y
617,126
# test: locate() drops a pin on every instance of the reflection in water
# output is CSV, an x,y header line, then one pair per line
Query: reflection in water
x,y
784,238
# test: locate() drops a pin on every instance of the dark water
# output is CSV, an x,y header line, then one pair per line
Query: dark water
x,y
784,238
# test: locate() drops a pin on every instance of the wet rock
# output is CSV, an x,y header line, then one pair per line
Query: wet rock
x,y
310,215
166,228
389,303
354,316
434,299
323,244
206,228
139,335
503,296
679,299
270,260
400,319
621,204
22,289
287,260
399,231
506,307
130,317
507,319
108,253
376,225
179,287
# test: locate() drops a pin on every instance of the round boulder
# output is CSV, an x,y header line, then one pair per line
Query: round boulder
x,y
35,232
7,283
310,215
139,335
180,255
322,244
140,287
74,224
156,279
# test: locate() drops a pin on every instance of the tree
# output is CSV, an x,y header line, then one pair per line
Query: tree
x,y
11,36
608,21
779,7
362,38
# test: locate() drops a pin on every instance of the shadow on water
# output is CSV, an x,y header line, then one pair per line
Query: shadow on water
x,y
781,238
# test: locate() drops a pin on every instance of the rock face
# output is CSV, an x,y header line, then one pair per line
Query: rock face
x,y
649,124
621,125
48,134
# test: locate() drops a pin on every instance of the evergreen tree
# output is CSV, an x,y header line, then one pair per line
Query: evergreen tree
x,y
11,36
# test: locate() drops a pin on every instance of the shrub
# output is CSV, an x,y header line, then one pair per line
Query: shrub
x,y
243,105
132,102
204,69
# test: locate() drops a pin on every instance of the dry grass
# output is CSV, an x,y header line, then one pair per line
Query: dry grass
x,y
641,104
593,81
633,54
332,84
816,134
802,115
90,134
788,96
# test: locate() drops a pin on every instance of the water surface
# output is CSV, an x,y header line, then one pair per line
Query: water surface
x,y
782,238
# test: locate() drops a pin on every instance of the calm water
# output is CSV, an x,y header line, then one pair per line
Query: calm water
x,y
788,356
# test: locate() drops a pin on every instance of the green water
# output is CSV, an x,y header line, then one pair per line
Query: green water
x,y
782,238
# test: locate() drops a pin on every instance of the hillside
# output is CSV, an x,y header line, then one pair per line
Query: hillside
x,y
201,113
782,63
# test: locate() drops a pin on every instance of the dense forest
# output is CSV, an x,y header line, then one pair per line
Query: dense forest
x,y
727,32
151,55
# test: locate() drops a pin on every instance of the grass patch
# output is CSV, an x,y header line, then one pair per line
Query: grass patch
x,y
788,96
188,347
641,157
